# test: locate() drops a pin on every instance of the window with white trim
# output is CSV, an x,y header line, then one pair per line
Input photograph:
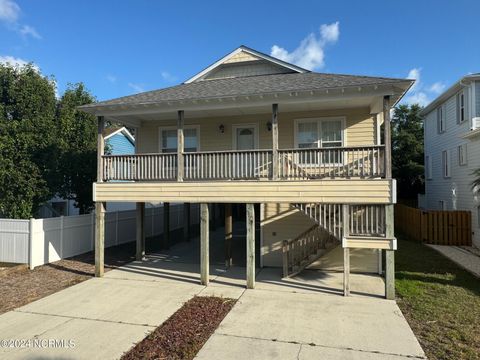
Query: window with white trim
x,y
168,139
462,154
461,107
320,133
441,119
428,167
446,163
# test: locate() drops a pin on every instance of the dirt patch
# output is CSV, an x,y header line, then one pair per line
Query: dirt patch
x,y
20,286
185,332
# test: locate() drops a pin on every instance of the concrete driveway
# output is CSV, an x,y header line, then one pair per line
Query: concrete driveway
x,y
305,317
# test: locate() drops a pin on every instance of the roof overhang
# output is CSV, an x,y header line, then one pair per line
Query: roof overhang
x,y
333,98
449,93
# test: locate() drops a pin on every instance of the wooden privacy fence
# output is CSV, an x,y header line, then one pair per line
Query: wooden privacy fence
x,y
434,227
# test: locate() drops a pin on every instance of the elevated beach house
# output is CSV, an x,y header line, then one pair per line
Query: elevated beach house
x,y
307,154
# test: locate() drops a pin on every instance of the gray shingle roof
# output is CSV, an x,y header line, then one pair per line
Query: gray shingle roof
x,y
253,85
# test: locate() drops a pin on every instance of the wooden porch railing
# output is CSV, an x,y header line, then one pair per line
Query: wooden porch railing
x,y
225,165
358,161
142,167
294,164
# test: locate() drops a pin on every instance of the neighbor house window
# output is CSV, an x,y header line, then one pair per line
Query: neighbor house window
x,y
428,167
168,139
461,108
440,119
462,154
446,163
442,205
320,133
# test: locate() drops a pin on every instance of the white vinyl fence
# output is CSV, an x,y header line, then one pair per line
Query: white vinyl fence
x,y
42,241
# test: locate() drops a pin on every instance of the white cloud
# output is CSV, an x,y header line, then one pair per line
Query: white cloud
x,y
310,53
420,93
16,62
167,76
27,30
111,78
137,87
9,11
437,87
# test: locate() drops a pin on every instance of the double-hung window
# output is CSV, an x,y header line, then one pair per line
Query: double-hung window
x,y
462,154
441,119
320,133
168,139
446,163
461,107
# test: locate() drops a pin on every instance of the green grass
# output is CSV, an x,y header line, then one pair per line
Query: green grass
x,y
440,300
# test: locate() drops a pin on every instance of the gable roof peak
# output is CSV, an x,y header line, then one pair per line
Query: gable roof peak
x,y
234,57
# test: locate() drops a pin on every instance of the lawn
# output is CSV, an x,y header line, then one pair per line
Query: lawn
x,y
440,301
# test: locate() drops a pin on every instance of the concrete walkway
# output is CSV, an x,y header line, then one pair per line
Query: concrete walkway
x,y
306,322
305,316
462,257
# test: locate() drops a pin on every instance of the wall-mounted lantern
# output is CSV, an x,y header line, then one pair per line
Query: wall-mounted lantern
x,y
269,126
221,128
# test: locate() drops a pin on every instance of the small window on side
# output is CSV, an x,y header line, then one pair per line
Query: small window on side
x,y
462,154
446,163
440,119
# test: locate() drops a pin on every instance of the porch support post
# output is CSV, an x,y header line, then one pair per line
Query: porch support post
x,y
180,146
389,256
346,251
228,235
250,246
204,242
99,238
186,222
387,136
100,206
166,225
140,227
275,160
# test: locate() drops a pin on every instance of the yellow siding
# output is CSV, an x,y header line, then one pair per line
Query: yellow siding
x,y
240,57
280,222
360,129
342,191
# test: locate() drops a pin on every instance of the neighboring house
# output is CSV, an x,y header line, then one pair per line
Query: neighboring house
x,y
452,150
301,149
119,141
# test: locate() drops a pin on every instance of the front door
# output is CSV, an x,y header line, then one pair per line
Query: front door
x,y
245,137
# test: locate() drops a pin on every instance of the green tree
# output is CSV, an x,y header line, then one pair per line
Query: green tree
x,y
77,138
407,150
27,142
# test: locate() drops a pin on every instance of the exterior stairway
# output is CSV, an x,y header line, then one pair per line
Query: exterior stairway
x,y
366,221
324,235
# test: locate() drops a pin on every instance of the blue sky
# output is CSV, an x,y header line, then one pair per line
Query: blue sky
x,y
121,47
